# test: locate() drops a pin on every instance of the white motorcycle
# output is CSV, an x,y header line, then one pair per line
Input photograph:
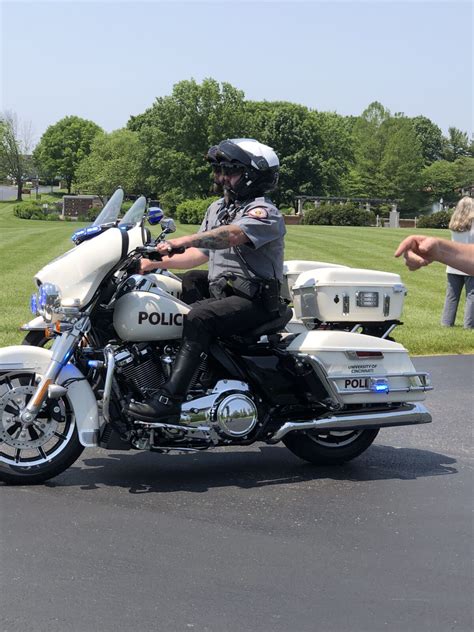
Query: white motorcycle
x,y
323,391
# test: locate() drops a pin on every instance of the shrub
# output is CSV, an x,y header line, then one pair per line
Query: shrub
x,y
339,215
193,211
25,210
35,210
170,201
435,220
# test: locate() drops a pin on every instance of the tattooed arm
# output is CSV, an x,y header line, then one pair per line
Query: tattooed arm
x,y
215,239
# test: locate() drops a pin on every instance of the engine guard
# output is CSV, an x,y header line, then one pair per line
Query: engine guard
x,y
79,393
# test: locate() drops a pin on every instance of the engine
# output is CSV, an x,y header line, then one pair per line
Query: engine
x,y
215,412
144,368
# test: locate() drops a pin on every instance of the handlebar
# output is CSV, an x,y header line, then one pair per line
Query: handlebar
x,y
151,253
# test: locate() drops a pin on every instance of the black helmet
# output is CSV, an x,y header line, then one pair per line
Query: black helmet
x,y
259,164
211,155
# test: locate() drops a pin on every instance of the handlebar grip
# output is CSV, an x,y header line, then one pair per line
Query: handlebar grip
x,y
176,251
154,256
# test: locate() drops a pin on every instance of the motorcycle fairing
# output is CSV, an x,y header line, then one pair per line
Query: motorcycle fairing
x,y
79,272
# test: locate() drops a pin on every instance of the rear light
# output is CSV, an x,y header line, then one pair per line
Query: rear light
x,y
361,355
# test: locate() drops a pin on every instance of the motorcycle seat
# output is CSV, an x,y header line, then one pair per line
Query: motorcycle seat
x,y
267,329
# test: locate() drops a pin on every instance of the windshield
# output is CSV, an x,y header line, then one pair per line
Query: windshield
x,y
111,210
135,212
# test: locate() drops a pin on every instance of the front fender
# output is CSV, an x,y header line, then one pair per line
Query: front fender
x,y
80,394
37,324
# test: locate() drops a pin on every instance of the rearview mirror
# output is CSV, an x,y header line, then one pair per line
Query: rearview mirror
x,y
168,225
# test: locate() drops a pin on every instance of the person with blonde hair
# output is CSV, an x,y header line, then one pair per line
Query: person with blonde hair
x,y
462,231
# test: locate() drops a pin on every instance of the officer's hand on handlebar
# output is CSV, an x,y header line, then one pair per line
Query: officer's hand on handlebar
x,y
146,265
169,249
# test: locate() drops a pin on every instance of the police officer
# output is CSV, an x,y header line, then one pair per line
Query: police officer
x,y
242,239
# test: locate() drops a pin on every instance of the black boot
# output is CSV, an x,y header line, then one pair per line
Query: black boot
x,y
165,405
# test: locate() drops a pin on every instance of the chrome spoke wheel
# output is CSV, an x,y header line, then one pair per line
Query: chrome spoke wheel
x,y
33,450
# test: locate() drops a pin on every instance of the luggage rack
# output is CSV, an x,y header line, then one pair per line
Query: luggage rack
x,y
385,328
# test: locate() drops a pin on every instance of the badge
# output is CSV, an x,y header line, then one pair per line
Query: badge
x,y
258,213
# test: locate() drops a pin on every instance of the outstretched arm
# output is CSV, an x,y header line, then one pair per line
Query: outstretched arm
x,y
215,239
419,251
191,258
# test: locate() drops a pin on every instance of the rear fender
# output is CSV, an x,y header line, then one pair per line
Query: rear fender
x,y
80,394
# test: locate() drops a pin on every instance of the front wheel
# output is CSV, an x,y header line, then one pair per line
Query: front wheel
x,y
36,338
34,453
330,447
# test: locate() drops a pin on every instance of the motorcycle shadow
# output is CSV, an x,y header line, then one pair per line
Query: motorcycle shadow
x,y
249,467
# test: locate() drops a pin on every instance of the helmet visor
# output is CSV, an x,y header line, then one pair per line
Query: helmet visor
x,y
227,169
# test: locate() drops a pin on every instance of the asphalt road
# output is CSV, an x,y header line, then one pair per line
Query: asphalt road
x,y
254,539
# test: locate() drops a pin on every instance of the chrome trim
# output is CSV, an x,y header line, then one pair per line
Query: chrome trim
x,y
386,304
424,378
320,371
110,363
197,415
205,433
408,414
389,331
345,304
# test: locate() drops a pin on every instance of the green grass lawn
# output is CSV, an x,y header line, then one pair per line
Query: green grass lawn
x,y
27,245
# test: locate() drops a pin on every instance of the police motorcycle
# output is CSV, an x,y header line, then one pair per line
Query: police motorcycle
x,y
324,393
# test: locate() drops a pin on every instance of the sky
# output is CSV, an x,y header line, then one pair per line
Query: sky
x,y
105,61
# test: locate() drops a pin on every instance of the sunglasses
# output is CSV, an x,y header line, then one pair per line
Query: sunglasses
x,y
227,170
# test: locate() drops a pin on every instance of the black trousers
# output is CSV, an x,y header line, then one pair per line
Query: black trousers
x,y
215,318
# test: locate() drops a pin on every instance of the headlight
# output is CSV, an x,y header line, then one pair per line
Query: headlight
x,y
49,300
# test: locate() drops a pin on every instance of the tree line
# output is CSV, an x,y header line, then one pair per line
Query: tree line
x,y
161,152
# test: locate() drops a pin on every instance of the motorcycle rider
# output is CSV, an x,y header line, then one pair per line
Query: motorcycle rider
x,y
242,238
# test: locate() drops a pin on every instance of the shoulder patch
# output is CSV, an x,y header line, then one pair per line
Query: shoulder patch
x,y
258,213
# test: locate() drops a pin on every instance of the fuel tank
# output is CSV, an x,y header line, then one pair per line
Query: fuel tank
x,y
167,282
151,315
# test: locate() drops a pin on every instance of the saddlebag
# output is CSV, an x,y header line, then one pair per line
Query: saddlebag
x,y
359,369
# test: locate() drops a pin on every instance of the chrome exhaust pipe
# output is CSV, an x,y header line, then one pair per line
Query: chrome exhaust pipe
x,y
405,415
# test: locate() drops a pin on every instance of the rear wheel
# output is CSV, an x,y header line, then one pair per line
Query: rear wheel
x,y
34,453
329,448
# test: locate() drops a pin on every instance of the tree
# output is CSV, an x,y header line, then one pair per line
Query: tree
x,y
178,129
439,179
15,145
63,146
368,136
456,145
464,172
114,161
313,147
430,138
402,159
